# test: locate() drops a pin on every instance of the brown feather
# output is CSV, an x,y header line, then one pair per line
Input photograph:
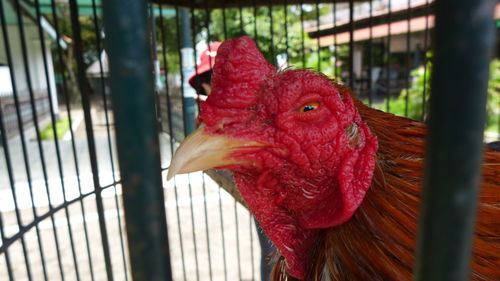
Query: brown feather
x,y
378,242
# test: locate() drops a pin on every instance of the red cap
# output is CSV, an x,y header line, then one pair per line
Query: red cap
x,y
207,61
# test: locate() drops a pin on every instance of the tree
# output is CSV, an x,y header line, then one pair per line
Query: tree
x,y
219,24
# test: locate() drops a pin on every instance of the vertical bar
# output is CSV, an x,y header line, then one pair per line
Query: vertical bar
x,y
170,128
408,57
193,228
166,70
235,205
223,236
84,91
388,59
8,162
240,13
370,57
8,263
255,34
108,132
167,88
319,37
224,27
63,66
205,209
56,141
302,34
250,226
426,35
25,157
156,64
271,33
4,140
27,72
285,7
132,93
193,43
351,44
238,254
465,30
335,45
177,25
242,31
224,24
206,227
187,67
188,108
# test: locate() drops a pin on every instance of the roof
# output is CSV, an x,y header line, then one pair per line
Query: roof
x,y
422,19
417,9
212,4
399,27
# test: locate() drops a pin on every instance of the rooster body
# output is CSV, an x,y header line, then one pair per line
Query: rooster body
x,y
334,184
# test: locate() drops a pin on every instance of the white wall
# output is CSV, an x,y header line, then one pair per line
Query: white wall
x,y
34,59
5,84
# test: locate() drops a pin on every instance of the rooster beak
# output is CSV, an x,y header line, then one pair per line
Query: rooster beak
x,y
201,151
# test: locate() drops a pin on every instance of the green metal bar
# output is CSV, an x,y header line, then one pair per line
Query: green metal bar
x,y
132,93
351,45
86,104
464,40
188,103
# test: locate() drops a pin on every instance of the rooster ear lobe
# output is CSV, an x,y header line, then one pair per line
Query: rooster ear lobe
x,y
239,71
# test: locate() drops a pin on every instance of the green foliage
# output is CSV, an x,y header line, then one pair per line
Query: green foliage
x,y
256,23
166,37
415,96
493,105
62,126
414,108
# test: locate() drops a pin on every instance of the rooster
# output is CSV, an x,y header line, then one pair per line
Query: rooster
x,y
334,184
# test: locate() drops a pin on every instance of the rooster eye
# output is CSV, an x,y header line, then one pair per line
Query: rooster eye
x,y
309,106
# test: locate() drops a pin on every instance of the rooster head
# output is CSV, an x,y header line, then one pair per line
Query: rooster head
x,y
301,156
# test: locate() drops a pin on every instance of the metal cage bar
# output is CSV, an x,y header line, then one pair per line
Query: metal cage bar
x,y
56,141
204,188
171,132
426,35
86,104
105,102
63,66
455,142
221,217
132,94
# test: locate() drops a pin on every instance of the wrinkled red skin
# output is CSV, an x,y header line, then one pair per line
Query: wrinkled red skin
x,y
312,174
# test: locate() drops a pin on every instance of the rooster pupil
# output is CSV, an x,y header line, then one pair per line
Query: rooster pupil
x,y
308,108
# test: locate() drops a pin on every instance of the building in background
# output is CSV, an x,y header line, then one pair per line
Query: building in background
x,y
400,35
28,73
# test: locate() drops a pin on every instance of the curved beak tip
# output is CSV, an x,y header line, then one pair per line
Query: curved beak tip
x,y
200,151
170,174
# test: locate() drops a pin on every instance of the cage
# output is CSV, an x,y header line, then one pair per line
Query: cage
x,y
95,97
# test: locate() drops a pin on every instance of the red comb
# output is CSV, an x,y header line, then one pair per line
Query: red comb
x,y
239,71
